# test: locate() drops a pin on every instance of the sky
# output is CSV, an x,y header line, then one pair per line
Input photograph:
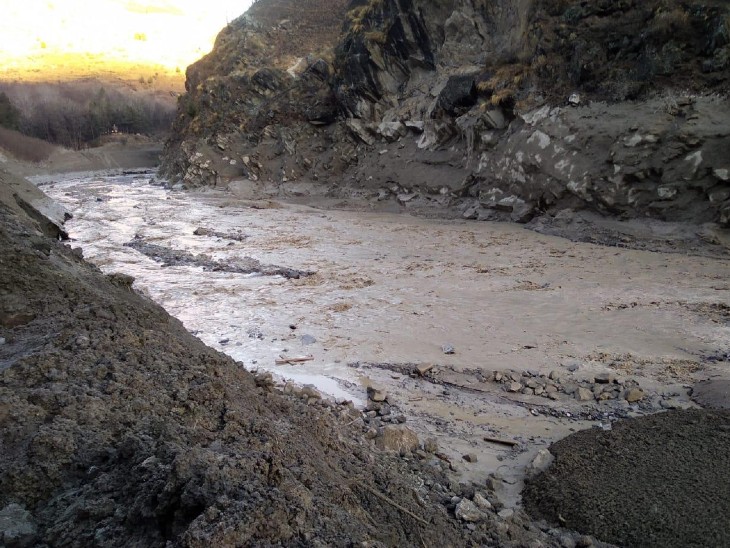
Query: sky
x,y
173,33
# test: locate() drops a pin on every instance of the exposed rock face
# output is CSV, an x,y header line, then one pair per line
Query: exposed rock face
x,y
505,109
263,83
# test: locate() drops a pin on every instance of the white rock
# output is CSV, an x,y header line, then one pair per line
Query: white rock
x,y
542,139
633,141
540,463
695,158
467,511
506,513
666,192
722,174
536,116
481,502
415,125
391,130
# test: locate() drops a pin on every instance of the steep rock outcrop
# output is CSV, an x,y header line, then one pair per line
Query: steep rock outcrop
x,y
500,109
265,73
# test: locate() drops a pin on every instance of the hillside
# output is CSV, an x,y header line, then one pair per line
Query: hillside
x,y
492,110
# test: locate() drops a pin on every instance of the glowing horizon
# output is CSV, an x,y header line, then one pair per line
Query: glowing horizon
x,y
168,33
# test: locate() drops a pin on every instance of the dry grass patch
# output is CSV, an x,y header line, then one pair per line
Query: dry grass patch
x,y
25,148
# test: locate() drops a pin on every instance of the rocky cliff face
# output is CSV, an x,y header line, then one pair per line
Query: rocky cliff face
x,y
497,109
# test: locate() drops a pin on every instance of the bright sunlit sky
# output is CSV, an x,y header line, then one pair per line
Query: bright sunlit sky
x,y
173,33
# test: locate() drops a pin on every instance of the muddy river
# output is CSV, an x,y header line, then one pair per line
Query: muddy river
x,y
390,292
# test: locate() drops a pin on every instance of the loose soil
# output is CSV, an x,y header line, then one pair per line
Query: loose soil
x,y
653,481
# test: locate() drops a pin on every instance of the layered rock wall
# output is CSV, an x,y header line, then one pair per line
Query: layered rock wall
x,y
504,108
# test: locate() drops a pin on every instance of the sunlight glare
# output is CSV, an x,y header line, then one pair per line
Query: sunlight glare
x,y
171,33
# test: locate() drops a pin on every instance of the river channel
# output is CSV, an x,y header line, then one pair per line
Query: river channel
x,y
390,291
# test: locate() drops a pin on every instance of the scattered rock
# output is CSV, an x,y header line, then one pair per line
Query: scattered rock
x,y
424,368
310,392
583,394
391,131
541,462
403,199
604,378
633,395
467,511
470,457
377,395
522,212
507,513
555,375
400,439
307,340
482,503
2,341
448,348
514,387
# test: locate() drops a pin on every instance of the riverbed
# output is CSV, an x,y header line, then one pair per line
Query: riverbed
x,y
390,292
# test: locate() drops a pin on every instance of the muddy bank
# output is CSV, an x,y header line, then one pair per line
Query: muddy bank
x,y
125,153
653,481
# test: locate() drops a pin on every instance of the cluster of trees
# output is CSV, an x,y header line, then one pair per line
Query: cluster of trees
x,y
9,115
78,114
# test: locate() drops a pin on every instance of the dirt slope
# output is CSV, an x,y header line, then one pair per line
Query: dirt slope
x,y
655,481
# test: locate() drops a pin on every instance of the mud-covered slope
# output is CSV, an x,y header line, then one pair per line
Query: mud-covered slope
x,y
500,109
652,481
119,428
